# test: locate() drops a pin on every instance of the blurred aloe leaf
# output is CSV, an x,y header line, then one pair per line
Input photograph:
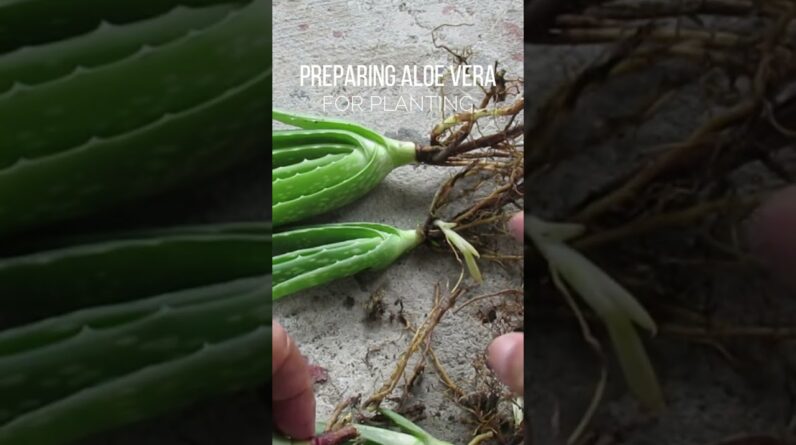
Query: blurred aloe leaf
x,y
615,306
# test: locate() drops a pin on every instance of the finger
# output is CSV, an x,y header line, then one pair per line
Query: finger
x,y
295,417
293,399
516,226
505,356
774,234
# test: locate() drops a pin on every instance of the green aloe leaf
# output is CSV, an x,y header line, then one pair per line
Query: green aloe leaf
x,y
326,164
309,256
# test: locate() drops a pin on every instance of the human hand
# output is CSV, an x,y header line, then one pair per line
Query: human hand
x,y
774,235
505,354
293,399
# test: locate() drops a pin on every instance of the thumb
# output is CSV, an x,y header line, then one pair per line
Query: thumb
x,y
516,226
774,236
293,400
506,358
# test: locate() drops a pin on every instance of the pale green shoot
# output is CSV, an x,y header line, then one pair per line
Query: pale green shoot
x,y
617,308
516,411
465,248
411,428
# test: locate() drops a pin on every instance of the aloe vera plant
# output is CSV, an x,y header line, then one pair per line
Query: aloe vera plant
x,y
615,306
33,22
309,256
327,163
106,102
119,103
58,384
126,267
192,321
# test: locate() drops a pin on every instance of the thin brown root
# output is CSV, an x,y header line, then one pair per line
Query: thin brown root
x,y
421,337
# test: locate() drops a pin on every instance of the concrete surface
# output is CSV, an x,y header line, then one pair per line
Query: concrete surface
x,y
329,322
